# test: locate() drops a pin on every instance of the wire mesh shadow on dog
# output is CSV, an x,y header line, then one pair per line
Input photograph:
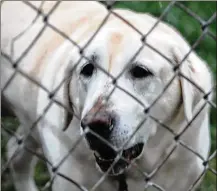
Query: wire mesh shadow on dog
x,y
122,100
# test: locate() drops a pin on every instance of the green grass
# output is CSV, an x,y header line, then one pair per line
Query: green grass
x,y
191,30
209,183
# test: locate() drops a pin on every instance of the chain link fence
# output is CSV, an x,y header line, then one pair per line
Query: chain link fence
x,y
7,132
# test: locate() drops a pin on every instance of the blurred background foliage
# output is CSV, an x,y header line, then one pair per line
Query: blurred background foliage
x,y
191,29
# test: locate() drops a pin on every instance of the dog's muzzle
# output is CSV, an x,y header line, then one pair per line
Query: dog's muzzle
x,y
102,126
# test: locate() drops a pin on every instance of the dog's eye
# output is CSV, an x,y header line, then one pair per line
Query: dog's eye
x,y
139,72
87,70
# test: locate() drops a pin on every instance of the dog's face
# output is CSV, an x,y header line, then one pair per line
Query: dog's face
x,y
117,110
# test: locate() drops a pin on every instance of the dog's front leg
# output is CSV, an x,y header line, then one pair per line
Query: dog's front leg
x,y
22,162
56,146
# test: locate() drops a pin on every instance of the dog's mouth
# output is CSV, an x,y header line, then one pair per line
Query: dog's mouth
x,y
122,163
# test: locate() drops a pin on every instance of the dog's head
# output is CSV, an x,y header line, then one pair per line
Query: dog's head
x,y
116,90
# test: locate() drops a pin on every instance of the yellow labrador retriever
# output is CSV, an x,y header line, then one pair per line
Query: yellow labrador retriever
x,y
125,113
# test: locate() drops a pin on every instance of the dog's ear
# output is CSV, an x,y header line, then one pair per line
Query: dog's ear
x,y
194,76
67,99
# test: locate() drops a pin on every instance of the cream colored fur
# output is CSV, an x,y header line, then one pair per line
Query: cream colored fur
x,y
50,59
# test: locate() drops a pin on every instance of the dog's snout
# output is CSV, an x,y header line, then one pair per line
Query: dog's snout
x,y
102,128
102,124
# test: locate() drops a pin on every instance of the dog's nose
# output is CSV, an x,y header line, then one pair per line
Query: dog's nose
x,y
102,124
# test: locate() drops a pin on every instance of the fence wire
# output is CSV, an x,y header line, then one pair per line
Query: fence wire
x,y
6,132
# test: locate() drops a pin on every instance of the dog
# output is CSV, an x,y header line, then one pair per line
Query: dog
x,y
112,93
